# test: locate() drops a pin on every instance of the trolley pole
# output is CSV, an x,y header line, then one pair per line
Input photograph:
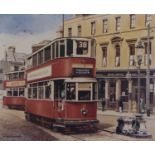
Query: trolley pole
x,y
148,72
62,25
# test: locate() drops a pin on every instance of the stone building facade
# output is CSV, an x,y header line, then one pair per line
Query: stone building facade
x,y
116,55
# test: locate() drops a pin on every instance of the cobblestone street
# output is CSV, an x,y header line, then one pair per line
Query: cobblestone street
x,y
13,126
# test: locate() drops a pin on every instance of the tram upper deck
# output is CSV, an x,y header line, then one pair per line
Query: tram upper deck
x,y
63,57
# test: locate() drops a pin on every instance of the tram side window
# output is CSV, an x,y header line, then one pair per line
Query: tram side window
x,y
62,50
47,53
94,91
69,47
53,50
21,91
21,75
57,49
9,93
15,76
15,92
34,60
47,92
29,62
40,57
58,89
82,47
71,91
40,92
34,92
29,92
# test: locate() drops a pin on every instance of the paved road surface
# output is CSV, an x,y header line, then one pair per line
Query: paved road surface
x,y
14,127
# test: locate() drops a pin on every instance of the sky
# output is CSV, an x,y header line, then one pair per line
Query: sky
x,y
24,30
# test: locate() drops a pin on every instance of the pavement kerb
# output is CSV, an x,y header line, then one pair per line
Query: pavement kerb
x,y
124,114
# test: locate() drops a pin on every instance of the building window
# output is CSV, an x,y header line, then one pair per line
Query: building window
x,y
148,19
132,21
93,28
105,26
118,24
70,32
150,49
132,54
1,70
104,56
117,57
79,30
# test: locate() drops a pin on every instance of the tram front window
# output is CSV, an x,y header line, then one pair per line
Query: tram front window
x,y
71,93
84,91
84,95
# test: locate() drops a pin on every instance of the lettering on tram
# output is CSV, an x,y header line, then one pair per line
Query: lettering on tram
x,y
14,85
82,72
82,47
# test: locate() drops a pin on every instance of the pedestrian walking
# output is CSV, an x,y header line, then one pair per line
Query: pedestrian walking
x,y
121,104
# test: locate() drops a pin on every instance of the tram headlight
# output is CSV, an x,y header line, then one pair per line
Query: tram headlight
x,y
84,111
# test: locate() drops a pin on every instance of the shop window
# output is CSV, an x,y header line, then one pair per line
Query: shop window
x,y
112,91
47,53
71,91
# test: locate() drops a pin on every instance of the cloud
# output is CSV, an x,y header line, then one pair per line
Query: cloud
x,y
23,42
22,31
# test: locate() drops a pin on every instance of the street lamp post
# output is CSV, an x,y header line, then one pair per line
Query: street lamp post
x,y
139,62
148,72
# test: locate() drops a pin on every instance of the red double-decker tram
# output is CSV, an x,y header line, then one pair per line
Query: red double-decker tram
x,y
61,85
14,85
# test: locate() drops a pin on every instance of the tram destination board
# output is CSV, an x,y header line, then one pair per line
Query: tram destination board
x,y
82,72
